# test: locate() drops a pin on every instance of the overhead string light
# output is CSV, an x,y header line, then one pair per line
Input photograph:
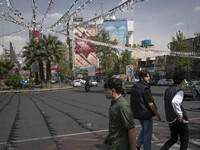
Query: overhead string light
x,y
13,33
13,10
47,11
8,17
111,12
142,50
66,17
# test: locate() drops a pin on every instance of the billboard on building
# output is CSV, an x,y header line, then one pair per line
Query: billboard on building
x,y
118,30
84,54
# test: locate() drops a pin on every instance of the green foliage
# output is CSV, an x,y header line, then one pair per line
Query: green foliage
x,y
186,86
179,44
123,60
156,75
48,50
14,80
5,66
65,71
107,56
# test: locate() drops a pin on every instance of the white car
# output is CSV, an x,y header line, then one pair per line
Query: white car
x,y
93,83
76,83
165,82
82,81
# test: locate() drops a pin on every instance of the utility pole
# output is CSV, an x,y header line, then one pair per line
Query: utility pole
x,y
69,42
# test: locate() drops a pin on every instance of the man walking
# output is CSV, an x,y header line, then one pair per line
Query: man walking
x,y
144,108
122,134
175,114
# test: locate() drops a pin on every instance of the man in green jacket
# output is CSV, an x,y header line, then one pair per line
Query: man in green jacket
x,y
122,134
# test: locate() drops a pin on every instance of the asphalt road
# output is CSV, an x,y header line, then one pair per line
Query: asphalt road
x,y
63,119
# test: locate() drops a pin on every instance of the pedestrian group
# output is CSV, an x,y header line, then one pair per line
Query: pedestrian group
x,y
122,132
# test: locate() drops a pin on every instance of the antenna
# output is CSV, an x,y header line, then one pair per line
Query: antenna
x,y
187,30
101,7
2,27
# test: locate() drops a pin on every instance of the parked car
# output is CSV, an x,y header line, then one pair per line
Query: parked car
x,y
76,83
129,85
165,82
93,83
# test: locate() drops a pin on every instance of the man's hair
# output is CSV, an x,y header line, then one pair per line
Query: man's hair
x,y
178,77
143,74
114,83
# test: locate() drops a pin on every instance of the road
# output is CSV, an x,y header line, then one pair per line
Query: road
x,y
72,119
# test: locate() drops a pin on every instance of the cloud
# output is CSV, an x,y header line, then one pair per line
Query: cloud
x,y
197,8
55,16
17,42
178,24
110,28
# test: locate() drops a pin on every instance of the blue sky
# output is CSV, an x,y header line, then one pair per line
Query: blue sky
x,y
157,20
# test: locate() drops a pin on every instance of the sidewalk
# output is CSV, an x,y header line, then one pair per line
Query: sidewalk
x,y
93,140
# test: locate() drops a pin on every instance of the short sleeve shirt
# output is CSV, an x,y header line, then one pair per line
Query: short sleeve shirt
x,y
121,120
147,96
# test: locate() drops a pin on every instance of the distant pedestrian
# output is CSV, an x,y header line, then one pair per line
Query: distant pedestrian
x,y
122,134
175,114
144,108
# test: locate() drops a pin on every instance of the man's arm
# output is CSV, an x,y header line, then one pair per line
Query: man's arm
x,y
176,103
151,105
132,138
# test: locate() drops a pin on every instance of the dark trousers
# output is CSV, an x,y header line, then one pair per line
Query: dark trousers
x,y
178,129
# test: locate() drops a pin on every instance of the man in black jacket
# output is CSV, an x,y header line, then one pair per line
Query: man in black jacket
x,y
144,108
175,114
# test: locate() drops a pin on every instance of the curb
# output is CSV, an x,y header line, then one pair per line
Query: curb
x,y
38,90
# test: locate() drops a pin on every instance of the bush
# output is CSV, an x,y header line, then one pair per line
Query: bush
x,y
14,80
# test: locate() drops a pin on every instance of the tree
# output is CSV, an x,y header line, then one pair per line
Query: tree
x,y
178,44
107,55
124,60
65,71
54,52
5,66
34,54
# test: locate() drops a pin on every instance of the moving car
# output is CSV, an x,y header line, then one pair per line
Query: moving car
x,y
165,82
129,85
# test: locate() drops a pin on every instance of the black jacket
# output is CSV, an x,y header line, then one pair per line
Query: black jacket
x,y
140,107
169,111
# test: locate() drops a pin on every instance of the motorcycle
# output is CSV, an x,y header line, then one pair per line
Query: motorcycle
x,y
87,88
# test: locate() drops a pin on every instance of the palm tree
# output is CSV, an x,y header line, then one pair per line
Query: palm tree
x,y
5,67
54,52
34,54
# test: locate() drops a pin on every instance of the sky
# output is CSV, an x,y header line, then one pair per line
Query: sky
x,y
157,20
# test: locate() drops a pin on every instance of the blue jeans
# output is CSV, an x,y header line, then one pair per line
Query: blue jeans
x,y
145,134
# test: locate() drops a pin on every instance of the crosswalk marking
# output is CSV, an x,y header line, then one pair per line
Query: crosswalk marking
x,y
174,147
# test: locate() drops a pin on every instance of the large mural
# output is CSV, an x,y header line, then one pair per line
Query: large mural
x,y
117,30
84,54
